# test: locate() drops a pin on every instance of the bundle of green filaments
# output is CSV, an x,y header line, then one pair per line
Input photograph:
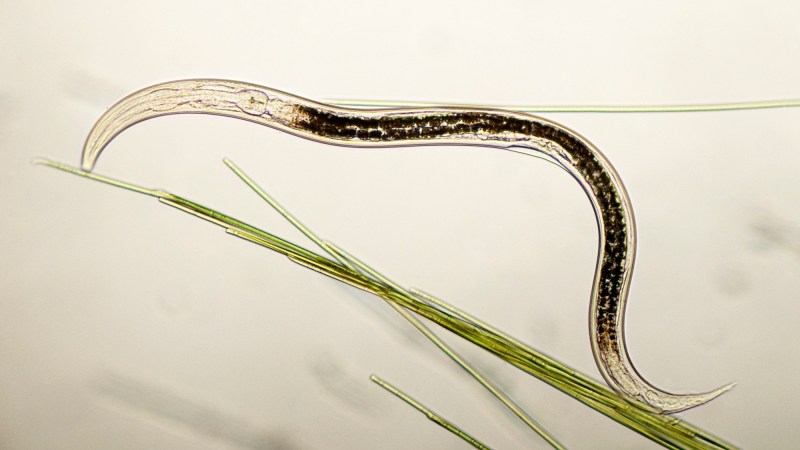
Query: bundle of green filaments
x,y
413,304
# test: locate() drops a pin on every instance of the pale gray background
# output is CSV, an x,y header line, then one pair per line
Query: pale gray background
x,y
125,324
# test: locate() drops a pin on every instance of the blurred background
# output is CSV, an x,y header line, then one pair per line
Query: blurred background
x,y
127,324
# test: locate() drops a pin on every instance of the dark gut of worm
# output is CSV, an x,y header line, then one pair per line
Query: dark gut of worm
x,y
335,126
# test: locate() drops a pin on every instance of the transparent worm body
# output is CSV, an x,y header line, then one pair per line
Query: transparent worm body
x,y
506,130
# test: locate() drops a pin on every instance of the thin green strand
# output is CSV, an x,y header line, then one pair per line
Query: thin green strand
x,y
434,417
693,107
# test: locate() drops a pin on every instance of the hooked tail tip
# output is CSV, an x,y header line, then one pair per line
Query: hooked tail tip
x,y
723,389
716,393
672,403
711,395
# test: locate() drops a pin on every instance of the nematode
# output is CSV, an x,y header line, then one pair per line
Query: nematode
x,y
507,130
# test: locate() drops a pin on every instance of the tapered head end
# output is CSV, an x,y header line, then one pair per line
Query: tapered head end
x,y
88,159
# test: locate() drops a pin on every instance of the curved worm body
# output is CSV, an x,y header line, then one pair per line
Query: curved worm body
x,y
438,126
